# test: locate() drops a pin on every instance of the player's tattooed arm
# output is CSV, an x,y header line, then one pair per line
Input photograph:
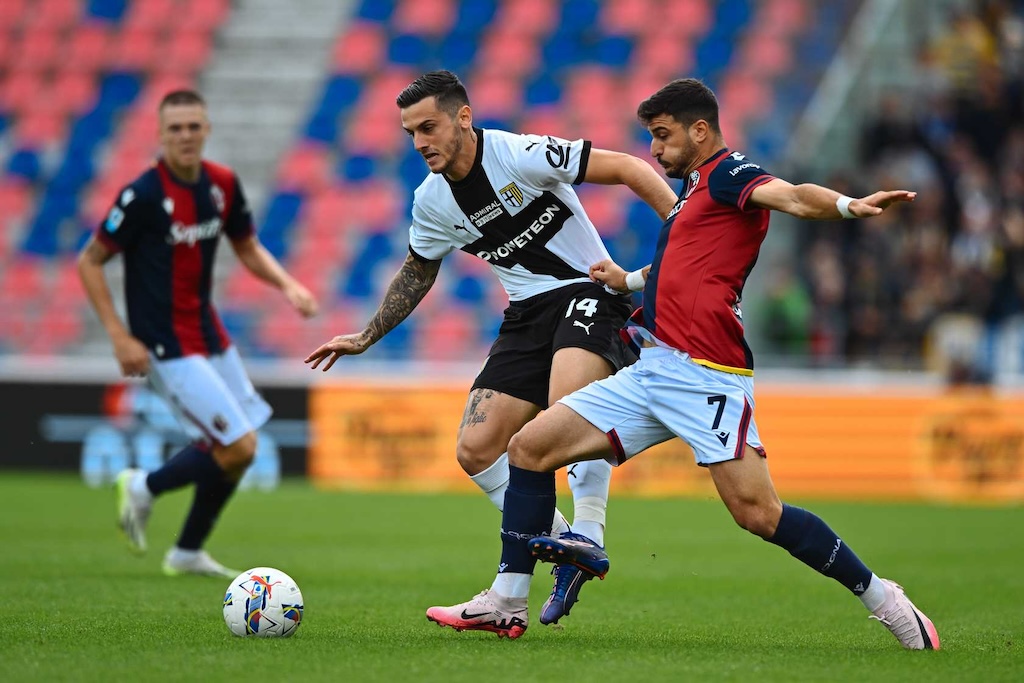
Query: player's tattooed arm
x,y
410,284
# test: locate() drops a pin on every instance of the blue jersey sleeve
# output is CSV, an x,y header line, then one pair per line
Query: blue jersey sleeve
x,y
735,178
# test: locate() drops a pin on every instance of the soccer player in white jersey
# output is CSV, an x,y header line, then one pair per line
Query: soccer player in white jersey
x,y
508,199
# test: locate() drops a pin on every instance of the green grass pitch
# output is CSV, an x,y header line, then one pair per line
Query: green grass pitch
x,y
689,596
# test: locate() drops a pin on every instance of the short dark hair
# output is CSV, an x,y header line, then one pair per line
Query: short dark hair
x,y
444,85
181,97
687,100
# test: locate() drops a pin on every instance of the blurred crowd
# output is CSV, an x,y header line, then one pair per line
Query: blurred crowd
x,y
938,283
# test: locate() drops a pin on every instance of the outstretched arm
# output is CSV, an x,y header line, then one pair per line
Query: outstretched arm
x,y
616,168
261,263
406,291
814,202
131,354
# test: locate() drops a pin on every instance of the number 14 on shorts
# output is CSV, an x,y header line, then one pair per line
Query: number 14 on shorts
x,y
588,306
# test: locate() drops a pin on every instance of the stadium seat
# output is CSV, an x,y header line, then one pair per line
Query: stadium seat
x,y
457,51
38,51
88,48
202,16
509,52
19,91
305,169
12,13
493,93
136,49
40,131
53,14
154,15
431,18
532,17
627,17
184,52
360,50
409,49
109,10
376,10
474,17
448,335
74,92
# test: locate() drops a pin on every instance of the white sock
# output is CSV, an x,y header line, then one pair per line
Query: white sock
x,y
138,490
512,585
589,481
494,482
874,595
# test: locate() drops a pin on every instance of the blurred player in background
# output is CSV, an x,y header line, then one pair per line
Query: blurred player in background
x,y
508,199
168,224
693,380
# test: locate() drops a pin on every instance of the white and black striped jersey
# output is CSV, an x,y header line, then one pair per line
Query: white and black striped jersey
x,y
516,210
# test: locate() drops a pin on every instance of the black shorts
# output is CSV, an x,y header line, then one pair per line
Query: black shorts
x,y
583,315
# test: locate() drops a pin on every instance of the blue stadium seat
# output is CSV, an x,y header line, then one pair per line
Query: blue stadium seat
x,y
543,90
412,170
43,236
376,10
75,171
118,90
360,281
457,51
111,10
409,49
470,289
579,15
474,16
357,167
281,214
613,51
25,163
563,48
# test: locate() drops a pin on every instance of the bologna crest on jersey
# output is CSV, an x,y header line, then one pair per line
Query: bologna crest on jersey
x,y
512,195
217,196
691,183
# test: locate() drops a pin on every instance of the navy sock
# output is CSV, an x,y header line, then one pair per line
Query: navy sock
x,y
211,495
529,507
191,464
810,540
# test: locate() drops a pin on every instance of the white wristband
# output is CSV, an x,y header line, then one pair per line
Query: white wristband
x,y
843,204
635,281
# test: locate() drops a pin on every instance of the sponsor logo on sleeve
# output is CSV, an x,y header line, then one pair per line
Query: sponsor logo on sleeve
x,y
114,219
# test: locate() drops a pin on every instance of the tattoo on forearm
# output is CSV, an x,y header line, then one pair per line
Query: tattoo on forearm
x,y
473,414
404,293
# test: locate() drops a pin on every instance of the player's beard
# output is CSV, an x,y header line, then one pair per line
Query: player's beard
x,y
686,158
452,153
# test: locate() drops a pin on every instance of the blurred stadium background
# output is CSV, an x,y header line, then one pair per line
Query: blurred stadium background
x,y
857,94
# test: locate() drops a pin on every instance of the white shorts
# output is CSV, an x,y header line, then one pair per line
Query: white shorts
x,y
212,398
666,394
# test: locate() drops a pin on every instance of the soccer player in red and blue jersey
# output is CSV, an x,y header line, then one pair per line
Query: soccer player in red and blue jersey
x,y
693,380
167,225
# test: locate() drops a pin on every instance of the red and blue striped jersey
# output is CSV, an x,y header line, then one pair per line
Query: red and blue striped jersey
x,y
706,249
168,231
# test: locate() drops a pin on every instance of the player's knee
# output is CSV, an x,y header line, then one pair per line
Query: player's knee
x,y
526,452
475,458
759,519
238,455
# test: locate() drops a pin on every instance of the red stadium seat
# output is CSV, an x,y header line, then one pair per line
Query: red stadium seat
x,y
137,48
242,289
662,56
546,120
87,49
40,131
15,200
745,96
448,334
153,15
305,168
784,17
38,50
54,14
360,50
627,17
495,93
433,18
184,52
24,280
510,52
67,291
689,18
375,133
12,13
766,54
328,211
74,92
19,90
203,16
56,329
531,17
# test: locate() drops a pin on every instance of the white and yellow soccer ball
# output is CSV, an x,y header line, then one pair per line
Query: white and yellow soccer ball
x,y
263,602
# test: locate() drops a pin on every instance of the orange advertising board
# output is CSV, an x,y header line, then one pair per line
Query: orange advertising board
x,y
886,444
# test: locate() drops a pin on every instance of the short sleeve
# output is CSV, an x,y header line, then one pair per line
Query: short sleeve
x,y
545,160
239,223
120,228
735,178
427,240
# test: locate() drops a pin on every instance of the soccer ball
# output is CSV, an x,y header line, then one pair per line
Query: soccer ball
x,y
263,602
